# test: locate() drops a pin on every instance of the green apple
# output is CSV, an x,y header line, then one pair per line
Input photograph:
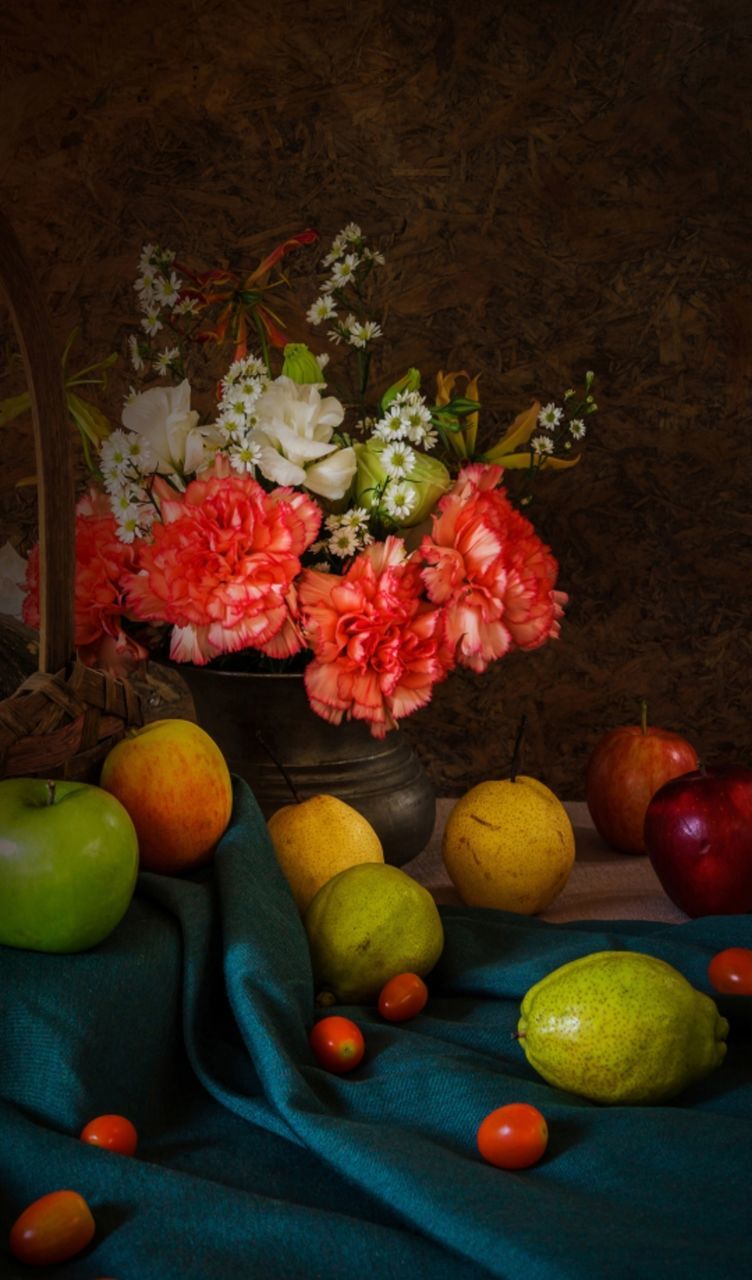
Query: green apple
x,y
68,864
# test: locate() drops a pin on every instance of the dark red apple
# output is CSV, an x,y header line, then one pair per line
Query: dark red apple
x,y
625,770
698,833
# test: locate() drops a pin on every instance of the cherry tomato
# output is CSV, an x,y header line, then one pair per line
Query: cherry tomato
x,y
52,1229
403,997
730,971
115,1133
513,1137
337,1043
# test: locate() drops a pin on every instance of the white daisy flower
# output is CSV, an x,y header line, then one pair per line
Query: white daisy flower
x,y
363,332
151,322
128,525
186,307
335,336
114,449
137,360
397,460
344,270
322,309
163,361
391,427
542,444
399,500
167,289
343,543
147,253
373,255
140,453
355,518
550,416
244,457
336,250
350,233
577,428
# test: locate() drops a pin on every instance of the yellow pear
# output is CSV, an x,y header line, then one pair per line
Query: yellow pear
x,y
316,838
509,844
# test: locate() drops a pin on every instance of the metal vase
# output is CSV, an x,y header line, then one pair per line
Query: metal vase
x,y
383,779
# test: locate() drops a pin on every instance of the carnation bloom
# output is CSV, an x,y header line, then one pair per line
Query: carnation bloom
x,y
221,565
374,638
490,572
294,433
102,564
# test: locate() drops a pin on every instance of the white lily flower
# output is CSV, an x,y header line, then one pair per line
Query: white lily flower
x,y
163,415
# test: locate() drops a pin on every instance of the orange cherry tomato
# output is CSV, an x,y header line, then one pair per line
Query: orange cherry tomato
x,y
402,997
337,1043
513,1137
52,1229
730,971
115,1133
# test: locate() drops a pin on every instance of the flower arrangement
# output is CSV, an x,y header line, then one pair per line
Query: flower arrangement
x,y
365,537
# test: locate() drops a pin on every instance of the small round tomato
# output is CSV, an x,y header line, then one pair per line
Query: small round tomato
x,y
115,1133
730,971
513,1137
403,997
337,1043
52,1229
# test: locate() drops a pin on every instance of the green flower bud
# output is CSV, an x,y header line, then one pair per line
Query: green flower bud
x,y
409,381
300,364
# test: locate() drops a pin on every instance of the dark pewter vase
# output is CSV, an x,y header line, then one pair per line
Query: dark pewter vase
x,y
383,779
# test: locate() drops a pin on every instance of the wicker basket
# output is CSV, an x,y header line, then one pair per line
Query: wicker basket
x,y
63,720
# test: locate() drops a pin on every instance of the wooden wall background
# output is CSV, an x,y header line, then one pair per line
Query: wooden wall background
x,y
559,186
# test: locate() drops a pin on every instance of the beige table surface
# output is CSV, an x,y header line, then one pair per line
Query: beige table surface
x,y
603,885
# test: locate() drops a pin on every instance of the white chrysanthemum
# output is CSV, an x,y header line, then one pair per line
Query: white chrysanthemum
x,y
400,500
151,322
542,444
322,309
343,543
363,331
343,271
167,289
137,360
393,426
397,460
114,450
164,360
244,457
577,428
249,367
550,416
296,425
355,518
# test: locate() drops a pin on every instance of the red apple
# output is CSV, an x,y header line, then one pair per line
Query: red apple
x,y
625,770
698,833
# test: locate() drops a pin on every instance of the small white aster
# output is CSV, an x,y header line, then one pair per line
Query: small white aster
x,y
391,427
550,416
399,500
343,543
577,428
186,307
244,457
163,361
151,322
322,309
397,460
137,360
344,270
350,233
362,332
542,444
167,289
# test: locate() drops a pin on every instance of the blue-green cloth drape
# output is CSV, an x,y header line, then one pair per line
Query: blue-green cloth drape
x,y
192,1019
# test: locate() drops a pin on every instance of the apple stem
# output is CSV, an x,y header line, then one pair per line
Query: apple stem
x,y
643,716
262,742
519,1035
517,749
50,791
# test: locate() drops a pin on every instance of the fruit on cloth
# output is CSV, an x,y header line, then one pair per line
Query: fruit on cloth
x,y
698,834
513,1136
404,996
625,769
52,1229
113,1132
620,1027
510,845
337,1043
318,837
174,781
730,971
68,864
367,924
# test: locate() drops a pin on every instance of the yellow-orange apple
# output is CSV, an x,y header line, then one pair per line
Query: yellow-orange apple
x,y
174,782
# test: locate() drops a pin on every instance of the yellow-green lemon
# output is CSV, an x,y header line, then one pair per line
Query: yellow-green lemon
x,y
367,924
620,1027
509,844
317,838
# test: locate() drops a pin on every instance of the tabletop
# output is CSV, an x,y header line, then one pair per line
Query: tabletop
x,y
603,884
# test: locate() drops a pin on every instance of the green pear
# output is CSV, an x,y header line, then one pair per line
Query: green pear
x,y
620,1027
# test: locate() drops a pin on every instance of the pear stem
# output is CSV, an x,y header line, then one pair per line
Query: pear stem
x,y
517,749
50,792
643,716
263,743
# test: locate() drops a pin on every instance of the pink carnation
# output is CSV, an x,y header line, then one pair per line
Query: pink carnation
x,y
375,641
488,569
221,565
102,563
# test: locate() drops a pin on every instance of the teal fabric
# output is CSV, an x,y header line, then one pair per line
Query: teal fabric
x,y
192,1019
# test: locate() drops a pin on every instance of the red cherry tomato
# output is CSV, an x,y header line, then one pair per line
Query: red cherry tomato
x,y
730,971
52,1229
337,1043
513,1137
403,997
115,1133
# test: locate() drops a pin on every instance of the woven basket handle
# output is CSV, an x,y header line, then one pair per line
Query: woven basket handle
x,y
54,463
